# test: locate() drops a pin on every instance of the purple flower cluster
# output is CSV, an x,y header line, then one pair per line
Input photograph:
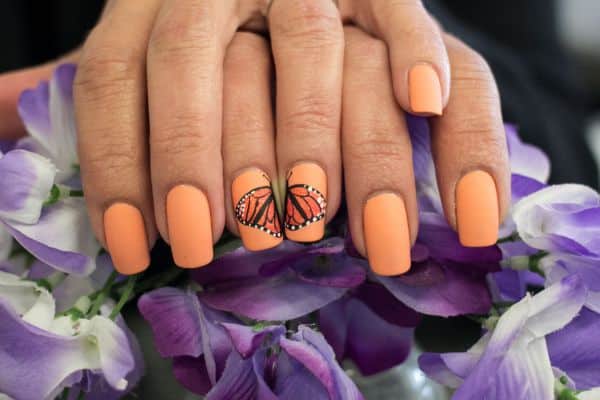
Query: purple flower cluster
x,y
279,324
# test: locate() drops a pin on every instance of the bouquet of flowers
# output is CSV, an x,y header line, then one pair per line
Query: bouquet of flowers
x,y
283,323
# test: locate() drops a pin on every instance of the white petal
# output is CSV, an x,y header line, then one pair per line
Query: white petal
x,y
6,243
74,250
556,306
34,303
531,217
593,394
25,187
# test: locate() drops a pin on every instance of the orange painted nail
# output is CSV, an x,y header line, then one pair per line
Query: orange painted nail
x,y
126,238
190,228
387,235
256,211
424,90
306,203
477,210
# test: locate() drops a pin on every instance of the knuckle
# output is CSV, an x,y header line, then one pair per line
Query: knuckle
x,y
418,32
478,129
245,127
183,36
181,135
368,53
310,25
107,70
247,50
313,115
470,66
107,161
377,148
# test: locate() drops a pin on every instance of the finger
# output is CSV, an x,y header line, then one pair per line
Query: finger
x,y
185,75
469,148
307,43
380,185
248,142
419,62
13,84
110,102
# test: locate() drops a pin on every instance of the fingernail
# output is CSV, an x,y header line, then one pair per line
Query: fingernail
x,y
190,228
387,235
256,211
425,91
126,238
305,204
477,210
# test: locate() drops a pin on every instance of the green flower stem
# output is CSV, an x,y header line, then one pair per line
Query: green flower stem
x,y
59,192
512,238
562,392
102,294
125,296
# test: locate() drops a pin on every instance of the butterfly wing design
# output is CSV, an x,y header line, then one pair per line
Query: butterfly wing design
x,y
256,209
304,205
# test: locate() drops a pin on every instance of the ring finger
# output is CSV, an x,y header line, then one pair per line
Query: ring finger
x,y
248,142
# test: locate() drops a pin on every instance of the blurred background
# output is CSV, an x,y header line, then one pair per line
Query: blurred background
x,y
545,55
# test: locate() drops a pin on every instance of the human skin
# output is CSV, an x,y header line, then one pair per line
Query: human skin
x,y
175,94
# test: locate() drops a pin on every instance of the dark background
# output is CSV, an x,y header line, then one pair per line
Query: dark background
x,y
539,83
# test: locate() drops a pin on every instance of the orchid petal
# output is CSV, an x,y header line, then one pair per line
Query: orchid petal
x,y
512,361
192,373
179,321
443,244
574,349
374,344
296,382
246,340
29,354
26,182
333,322
6,243
526,159
562,218
457,292
312,350
32,302
593,394
238,381
34,110
74,251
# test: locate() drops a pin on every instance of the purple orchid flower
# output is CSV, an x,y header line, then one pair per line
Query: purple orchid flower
x,y
217,356
370,327
285,283
42,162
561,219
41,354
511,361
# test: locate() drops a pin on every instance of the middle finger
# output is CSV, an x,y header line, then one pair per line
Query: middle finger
x,y
308,47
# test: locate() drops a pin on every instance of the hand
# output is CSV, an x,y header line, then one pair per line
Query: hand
x,y
167,166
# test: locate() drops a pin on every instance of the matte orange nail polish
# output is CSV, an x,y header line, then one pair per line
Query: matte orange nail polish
x,y
190,226
256,211
424,90
306,203
126,238
477,216
387,236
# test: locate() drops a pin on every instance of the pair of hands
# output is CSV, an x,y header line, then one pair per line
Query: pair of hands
x,y
189,120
